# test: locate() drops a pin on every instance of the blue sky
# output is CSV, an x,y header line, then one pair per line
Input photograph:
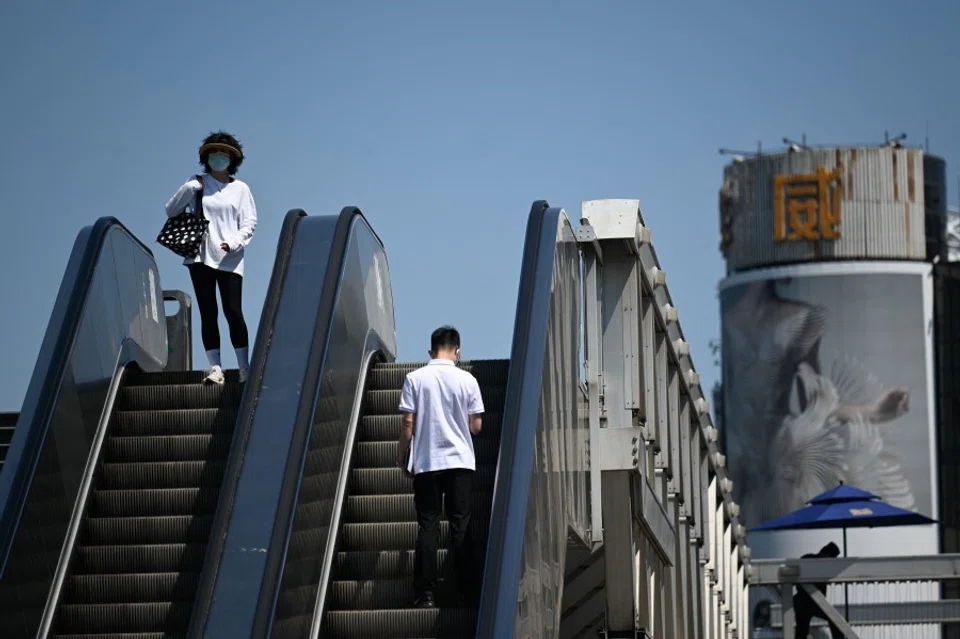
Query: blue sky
x,y
443,121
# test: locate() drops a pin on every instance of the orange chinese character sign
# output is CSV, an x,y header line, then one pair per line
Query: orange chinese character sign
x,y
807,207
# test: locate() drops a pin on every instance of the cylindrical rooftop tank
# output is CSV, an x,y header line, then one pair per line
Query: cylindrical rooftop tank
x,y
827,204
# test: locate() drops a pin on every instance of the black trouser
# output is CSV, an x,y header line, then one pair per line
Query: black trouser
x,y
206,280
805,610
456,485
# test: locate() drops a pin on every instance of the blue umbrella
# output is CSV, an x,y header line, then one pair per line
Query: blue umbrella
x,y
845,507
859,513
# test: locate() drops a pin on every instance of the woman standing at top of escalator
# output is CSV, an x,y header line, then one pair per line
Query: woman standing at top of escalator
x,y
228,204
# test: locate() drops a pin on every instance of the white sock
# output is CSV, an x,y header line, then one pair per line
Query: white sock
x,y
213,356
243,358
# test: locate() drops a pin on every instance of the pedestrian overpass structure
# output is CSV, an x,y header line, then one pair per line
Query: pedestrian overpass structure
x,y
661,537
611,512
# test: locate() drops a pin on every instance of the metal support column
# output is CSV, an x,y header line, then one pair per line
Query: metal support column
x,y
620,553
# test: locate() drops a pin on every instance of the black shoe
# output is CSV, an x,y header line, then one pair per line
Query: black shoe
x,y
425,601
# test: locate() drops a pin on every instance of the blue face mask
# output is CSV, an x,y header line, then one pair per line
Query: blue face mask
x,y
218,161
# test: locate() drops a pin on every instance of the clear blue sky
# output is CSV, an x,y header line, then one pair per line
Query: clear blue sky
x,y
443,123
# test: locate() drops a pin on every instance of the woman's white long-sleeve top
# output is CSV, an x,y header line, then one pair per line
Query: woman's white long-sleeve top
x,y
233,219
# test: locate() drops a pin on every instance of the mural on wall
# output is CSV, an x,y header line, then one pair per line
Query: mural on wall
x,y
825,380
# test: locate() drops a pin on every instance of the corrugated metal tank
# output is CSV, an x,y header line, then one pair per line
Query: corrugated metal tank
x,y
879,194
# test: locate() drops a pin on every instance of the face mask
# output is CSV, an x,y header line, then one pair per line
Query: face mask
x,y
218,161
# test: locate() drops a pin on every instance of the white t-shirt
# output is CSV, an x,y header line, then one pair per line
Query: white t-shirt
x,y
443,398
233,219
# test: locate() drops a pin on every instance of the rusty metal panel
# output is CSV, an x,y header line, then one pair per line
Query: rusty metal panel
x,y
865,203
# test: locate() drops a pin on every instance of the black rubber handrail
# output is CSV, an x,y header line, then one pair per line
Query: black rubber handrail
x,y
515,465
21,464
245,414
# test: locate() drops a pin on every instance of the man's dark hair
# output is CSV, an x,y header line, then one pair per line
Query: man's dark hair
x,y
444,338
222,137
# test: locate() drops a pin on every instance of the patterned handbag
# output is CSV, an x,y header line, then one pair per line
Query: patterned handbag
x,y
183,233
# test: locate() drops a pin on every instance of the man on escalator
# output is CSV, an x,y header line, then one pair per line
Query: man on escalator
x,y
442,410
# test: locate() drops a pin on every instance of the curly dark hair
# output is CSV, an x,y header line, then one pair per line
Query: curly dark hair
x,y
222,141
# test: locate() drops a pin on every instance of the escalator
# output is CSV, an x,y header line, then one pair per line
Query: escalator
x,y
371,588
7,423
140,549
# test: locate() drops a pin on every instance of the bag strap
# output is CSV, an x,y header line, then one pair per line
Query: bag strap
x,y
198,199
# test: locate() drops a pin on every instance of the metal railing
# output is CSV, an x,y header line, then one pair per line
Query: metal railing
x,y
900,594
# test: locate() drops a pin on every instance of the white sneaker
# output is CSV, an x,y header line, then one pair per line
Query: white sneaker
x,y
215,376
243,375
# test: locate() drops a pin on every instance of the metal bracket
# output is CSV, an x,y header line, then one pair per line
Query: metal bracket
x,y
586,234
621,449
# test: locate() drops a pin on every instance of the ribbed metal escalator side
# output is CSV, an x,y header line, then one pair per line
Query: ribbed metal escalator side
x,y
108,314
265,572
541,489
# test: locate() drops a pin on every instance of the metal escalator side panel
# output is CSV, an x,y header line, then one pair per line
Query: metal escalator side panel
x,y
245,415
108,313
338,310
536,481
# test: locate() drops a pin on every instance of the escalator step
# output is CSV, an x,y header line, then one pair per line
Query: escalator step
x,y
153,558
361,509
394,536
384,454
380,594
392,481
198,421
386,428
157,503
131,588
401,624
149,530
378,564
127,617
179,396
172,378
8,422
169,448
161,474
385,402
126,635
392,376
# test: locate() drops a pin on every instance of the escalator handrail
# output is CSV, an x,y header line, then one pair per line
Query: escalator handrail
x,y
502,567
276,551
245,414
304,422
43,391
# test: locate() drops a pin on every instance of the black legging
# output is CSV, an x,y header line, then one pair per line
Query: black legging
x,y
206,280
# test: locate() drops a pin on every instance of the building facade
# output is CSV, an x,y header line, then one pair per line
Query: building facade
x,y
829,370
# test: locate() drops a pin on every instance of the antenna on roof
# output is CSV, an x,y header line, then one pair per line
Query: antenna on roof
x,y
894,143
794,147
